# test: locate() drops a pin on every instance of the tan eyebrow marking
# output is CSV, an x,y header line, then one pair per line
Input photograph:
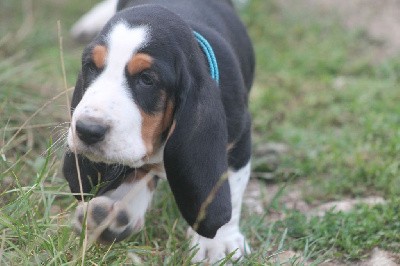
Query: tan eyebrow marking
x,y
139,62
99,55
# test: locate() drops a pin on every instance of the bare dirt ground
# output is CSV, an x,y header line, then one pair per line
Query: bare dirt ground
x,y
380,20
258,196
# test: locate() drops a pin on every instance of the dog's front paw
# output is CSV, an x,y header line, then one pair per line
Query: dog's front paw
x,y
228,240
107,220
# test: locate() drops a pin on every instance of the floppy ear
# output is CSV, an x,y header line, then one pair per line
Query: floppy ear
x,y
195,156
91,173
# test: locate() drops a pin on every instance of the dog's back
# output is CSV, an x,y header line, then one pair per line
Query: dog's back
x,y
211,17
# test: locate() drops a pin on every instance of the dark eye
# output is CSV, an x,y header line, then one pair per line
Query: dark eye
x,y
146,79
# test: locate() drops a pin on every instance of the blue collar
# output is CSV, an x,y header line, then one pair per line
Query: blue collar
x,y
209,52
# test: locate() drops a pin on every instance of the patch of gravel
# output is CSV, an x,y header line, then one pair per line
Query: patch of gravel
x,y
346,205
378,257
259,194
288,257
381,258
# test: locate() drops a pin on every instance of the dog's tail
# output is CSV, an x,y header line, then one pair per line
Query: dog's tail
x,y
91,23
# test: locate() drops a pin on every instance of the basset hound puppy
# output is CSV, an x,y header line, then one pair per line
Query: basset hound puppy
x,y
146,106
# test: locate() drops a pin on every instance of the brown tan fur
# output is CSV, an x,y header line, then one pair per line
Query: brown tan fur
x,y
153,125
151,130
152,184
139,62
156,168
99,56
141,172
137,175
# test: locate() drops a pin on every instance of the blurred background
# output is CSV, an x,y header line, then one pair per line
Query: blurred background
x,y
326,130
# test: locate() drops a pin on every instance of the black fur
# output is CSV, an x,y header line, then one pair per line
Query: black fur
x,y
97,178
207,116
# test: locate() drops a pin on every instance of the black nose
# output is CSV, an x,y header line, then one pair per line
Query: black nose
x,y
90,132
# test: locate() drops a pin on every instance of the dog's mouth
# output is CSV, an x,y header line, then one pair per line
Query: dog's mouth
x,y
100,158
98,155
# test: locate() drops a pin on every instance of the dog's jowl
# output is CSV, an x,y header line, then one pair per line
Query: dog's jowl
x,y
163,93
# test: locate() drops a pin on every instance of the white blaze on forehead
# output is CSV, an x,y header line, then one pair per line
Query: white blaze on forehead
x,y
123,42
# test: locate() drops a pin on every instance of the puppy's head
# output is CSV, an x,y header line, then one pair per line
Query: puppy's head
x,y
144,95
124,109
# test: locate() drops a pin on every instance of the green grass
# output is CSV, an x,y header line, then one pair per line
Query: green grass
x,y
318,90
345,136
347,235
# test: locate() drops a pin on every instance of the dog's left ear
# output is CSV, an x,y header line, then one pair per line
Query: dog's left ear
x,y
195,156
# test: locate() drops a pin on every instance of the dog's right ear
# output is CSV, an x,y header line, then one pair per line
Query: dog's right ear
x,y
89,173
96,178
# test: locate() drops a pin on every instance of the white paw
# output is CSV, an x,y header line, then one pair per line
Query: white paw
x,y
228,240
107,220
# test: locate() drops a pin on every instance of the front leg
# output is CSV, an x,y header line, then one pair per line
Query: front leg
x,y
118,213
229,238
